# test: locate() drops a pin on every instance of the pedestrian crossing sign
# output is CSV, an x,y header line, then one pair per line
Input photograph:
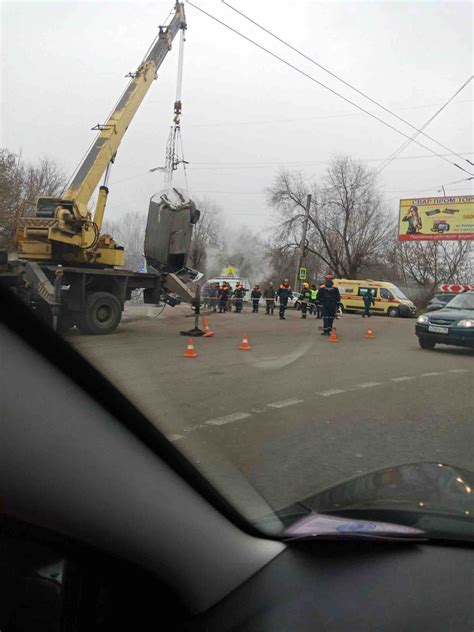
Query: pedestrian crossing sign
x,y
302,274
230,271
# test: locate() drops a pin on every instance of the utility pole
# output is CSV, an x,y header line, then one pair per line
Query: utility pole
x,y
303,241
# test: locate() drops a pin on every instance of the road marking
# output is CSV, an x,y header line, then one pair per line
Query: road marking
x,y
368,384
458,371
175,437
402,378
228,419
430,374
334,391
286,402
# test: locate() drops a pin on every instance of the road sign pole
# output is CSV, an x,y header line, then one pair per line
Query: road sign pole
x,y
303,240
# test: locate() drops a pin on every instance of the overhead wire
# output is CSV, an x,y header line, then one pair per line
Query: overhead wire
x,y
398,151
312,118
446,184
346,83
314,80
270,165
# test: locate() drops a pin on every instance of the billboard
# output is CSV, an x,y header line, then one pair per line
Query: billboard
x,y
426,219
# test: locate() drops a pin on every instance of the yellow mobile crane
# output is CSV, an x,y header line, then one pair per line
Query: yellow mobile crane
x,y
66,269
63,230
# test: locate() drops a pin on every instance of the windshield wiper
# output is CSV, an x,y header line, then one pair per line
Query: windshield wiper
x,y
324,527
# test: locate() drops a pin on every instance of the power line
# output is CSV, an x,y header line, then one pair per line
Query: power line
x,y
398,151
314,80
346,83
310,118
212,166
436,186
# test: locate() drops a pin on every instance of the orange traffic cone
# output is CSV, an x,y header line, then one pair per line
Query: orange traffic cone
x,y
244,345
208,333
190,353
333,336
369,334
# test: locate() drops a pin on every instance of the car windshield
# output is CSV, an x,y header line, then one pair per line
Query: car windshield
x,y
462,301
398,293
238,169
443,298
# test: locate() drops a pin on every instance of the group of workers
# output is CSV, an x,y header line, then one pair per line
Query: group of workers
x,y
323,302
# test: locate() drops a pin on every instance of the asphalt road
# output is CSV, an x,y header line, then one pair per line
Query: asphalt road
x,y
296,413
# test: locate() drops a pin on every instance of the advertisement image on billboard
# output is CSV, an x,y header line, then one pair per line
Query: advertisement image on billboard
x,y
426,219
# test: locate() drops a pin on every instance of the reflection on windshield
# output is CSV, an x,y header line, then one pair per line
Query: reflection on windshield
x,y
435,497
462,301
398,293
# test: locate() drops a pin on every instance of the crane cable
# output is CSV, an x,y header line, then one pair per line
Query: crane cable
x,y
174,147
320,83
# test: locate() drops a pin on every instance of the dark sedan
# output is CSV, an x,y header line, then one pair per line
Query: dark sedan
x,y
439,301
452,325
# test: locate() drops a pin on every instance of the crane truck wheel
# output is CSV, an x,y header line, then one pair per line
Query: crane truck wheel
x,y
102,314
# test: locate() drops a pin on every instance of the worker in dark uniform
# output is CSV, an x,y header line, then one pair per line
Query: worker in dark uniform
x,y
319,306
329,297
238,297
305,299
223,297
213,294
255,296
269,296
369,300
283,294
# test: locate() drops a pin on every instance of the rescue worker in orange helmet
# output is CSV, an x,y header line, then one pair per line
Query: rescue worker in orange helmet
x,y
283,294
238,297
223,298
329,297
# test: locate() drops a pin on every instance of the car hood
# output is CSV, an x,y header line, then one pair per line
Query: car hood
x,y
451,314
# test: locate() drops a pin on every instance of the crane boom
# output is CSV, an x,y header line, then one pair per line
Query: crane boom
x,y
62,229
111,133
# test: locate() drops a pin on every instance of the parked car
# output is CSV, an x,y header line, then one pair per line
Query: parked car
x,y
452,325
295,302
439,301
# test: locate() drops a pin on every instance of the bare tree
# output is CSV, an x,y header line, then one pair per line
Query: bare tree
x,y
20,182
427,264
129,232
205,234
284,262
349,228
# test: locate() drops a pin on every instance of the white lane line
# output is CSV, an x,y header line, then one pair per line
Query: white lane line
x,y
368,384
334,391
402,378
175,437
228,419
458,371
430,374
286,402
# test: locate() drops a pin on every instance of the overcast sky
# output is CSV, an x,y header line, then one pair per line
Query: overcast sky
x,y
244,113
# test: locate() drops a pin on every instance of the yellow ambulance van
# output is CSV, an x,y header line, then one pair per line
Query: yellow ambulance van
x,y
389,299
